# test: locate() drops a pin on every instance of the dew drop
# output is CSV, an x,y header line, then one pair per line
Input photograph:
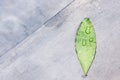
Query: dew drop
x,y
83,42
87,30
91,39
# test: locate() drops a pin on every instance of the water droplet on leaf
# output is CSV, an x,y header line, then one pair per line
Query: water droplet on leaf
x,y
91,39
83,42
87,30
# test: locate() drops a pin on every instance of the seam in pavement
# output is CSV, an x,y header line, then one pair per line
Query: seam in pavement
x,y
59,12
38,28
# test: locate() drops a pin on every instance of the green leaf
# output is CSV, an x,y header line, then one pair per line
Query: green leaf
x,y
85,44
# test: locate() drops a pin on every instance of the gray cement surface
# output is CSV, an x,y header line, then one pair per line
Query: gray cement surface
x,y
20,18
49,52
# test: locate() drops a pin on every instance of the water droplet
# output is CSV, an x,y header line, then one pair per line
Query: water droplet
x,y
91,39
87,30
83,42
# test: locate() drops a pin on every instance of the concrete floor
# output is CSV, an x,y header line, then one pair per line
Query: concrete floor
x,y
20,18
48,51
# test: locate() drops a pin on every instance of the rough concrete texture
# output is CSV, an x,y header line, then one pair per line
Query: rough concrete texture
x,y
20,18
49,52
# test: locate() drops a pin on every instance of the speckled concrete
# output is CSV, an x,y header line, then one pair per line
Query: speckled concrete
x,y
49,52
20,18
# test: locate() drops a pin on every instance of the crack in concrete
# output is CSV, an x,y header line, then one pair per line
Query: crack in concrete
x,y
59,12
37,29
